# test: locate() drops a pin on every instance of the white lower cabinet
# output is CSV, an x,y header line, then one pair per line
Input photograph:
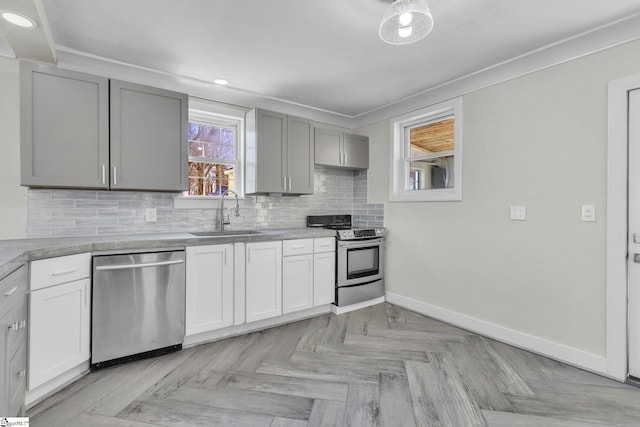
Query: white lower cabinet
x,y
324,278
324,271
59,334
209,290
263,280
297,283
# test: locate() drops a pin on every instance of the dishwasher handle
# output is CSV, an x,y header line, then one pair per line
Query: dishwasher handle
x,y
146,264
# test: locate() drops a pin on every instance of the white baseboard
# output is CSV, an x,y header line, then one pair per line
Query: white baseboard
x,y
563,353
245,328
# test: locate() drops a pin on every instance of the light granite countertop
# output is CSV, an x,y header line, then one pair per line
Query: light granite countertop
x,y
14,253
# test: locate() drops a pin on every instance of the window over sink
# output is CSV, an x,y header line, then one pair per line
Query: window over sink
x,y
215,138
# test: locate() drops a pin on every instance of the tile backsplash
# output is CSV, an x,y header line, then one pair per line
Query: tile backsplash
x,y
56,213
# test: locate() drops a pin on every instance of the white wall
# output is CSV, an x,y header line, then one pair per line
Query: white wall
x,y
13,197
540,141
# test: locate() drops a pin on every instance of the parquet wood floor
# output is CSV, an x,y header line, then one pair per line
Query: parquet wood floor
x,y
379,366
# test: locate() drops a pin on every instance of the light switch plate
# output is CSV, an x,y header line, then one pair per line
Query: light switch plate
x,y
518,213
151,214
589,213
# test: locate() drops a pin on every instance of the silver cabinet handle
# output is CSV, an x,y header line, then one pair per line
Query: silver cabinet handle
x,y
104,174
22,373
14,326
284,183
345,158
128,266
63,272
10,291
289,183
115,176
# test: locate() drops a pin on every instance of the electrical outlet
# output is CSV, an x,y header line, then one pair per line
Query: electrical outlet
x,y
589,213
518,213
151,214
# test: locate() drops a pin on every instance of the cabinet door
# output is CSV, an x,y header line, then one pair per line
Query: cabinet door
x,y
148,138
299,156
271,140
297,283
59,333
64,128
5,323
324,278
209,288
328,147
356,151
263,280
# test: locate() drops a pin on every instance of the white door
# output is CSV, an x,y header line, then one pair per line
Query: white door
x,y
297,283
263,280
634,233
209,290
324,278
59,331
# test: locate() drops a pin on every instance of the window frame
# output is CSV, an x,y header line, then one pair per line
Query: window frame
x,y
214,118
401,164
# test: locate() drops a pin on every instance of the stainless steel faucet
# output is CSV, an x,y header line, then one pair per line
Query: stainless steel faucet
x,y
236,209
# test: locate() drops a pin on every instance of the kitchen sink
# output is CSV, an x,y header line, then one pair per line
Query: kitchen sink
x,y
224,233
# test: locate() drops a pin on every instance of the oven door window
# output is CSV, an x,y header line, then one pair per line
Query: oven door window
x,y
363,262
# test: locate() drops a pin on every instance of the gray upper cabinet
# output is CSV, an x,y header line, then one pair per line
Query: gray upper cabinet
x,y
84,131
148,138
279,154
342,150
64,128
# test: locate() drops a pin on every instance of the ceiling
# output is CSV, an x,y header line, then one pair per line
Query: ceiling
x,y
325,55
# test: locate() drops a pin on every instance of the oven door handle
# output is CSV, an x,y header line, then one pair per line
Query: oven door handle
x,y
360,243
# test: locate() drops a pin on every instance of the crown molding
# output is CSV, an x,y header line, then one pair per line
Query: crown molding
x,y
595,40
587,43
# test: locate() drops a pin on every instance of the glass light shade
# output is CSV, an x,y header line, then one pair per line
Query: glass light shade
x,y
17,19
406,21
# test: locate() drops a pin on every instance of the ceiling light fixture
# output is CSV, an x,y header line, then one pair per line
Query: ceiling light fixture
x,y
17,19
222,82
406,21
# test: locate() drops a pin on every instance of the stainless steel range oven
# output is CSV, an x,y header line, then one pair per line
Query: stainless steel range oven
x,y
359,259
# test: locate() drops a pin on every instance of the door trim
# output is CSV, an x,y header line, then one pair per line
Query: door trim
x,y
617,203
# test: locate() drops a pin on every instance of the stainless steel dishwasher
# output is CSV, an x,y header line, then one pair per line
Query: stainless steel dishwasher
x,y
138,306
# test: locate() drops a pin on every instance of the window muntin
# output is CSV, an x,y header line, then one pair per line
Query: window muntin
x,y
214,160
427,155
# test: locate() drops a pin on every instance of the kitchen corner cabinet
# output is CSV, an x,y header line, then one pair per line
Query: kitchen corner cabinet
x,y
209,290
13,343
342,150
84,131
263,280
59,316
279,153
64,118
148,134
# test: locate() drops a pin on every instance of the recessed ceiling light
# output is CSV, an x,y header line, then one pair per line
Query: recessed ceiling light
x,y
17,19
222,82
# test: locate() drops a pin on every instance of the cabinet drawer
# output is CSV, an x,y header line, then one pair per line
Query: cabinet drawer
x,y
13,287
324,244
17,381
297,247
17,323
54,271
